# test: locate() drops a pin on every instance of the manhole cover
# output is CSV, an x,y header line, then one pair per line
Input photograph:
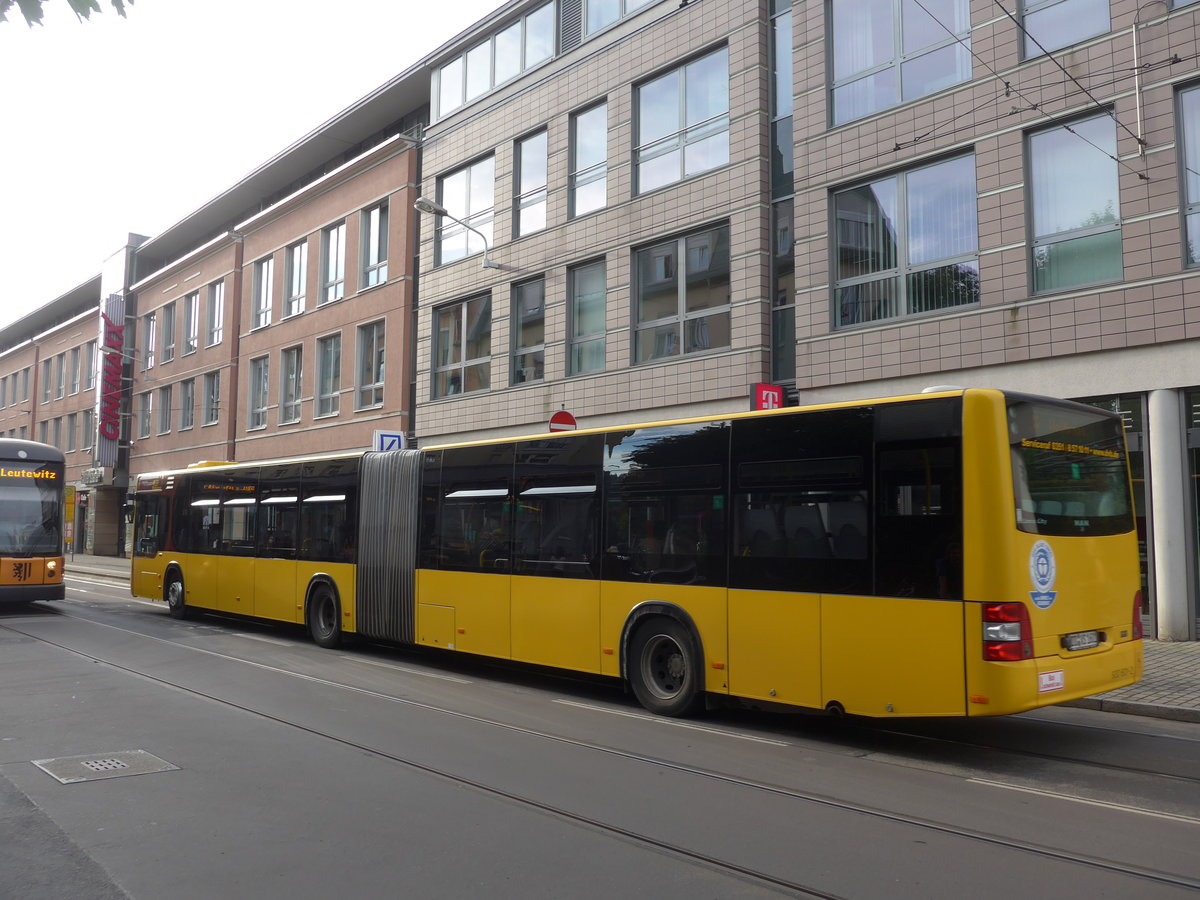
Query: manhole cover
x,y
94,766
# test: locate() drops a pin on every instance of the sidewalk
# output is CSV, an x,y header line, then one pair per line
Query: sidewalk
x,y
1170,688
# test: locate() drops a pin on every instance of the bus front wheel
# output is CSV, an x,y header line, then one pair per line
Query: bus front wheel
x,y
175,597
664,668
325,617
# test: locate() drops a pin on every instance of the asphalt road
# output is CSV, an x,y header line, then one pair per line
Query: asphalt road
x,y
291,771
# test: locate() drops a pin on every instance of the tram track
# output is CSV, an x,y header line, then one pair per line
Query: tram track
x,y
732,868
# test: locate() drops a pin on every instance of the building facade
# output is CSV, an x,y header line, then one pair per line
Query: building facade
x,y
638,209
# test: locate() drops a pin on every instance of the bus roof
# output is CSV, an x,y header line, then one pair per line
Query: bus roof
x,y
16,449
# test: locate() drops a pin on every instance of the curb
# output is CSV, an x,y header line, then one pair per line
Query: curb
x,y
1135,708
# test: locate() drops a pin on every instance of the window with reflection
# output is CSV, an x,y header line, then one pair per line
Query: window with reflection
x,y
907,244
683,296
587,286
528,331
683,122
530,184
1189,136
588,179
556,517
665,504
463,347
887,52
1076,209
1053,24
469,195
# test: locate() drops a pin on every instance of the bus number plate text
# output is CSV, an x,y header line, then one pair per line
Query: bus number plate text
x,y
1082,640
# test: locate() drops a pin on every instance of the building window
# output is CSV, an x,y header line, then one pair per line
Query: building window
x,y
191,322
907,244
44,431
90,365
47,385
212,398
783,294
890,51
187,403
150,330
26,374
87,430
333,263
297,276
683,122
375,245
585,352
3,390
370,365
470,196
72,425
260,396
289,385
329,374
463,347
264,277
588,179
601,13
683,309
60,376
1189,136
164,409
520,46
72,373
216,314
530,184
145,409
1053,24
1076,211
528,331
168,329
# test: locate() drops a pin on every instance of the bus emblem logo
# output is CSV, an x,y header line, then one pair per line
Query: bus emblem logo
x,y
1042,572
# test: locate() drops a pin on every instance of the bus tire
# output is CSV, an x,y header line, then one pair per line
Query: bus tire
x,y
325,616
176,598
664,668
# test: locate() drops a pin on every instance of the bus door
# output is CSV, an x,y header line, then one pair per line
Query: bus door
x,y
463,587
556,553
236,544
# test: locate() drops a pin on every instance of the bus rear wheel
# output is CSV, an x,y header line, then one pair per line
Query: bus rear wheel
x,y
664,668
175,597
325,617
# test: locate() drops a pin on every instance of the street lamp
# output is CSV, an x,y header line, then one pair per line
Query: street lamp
x,y
427,206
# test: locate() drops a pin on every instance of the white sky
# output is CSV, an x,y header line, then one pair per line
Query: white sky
x,y
114,125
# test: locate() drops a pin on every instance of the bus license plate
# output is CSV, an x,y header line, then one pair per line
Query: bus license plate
x,y
1082,640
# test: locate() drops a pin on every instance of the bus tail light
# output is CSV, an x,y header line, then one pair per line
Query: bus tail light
x,y
1137,616
1006,632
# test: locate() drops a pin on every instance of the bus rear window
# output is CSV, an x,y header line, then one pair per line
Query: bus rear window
x,y
1070,473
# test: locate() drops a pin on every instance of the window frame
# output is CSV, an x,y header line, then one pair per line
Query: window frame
x,y
530,198
263,299
164,410
145,413
296,280
375,245
686,136
168,332
187,404
191,323
1029,50
682,248
333,263
461,367
258,400
482,219
578,340
328,390
593,174
902,269
291,365
537,349
214,320
212,399
371,348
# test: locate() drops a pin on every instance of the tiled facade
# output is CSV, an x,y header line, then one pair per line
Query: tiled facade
x,y
824,257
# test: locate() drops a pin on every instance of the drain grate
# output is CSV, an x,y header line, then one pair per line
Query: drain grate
x,y
93,767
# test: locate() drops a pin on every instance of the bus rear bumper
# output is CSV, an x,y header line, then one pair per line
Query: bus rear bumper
x,y
1029,684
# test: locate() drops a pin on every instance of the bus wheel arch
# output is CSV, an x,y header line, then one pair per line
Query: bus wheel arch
x,y
662,660
174,594
323,613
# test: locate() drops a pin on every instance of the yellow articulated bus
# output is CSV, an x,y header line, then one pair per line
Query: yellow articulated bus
x,y
955,553
31,520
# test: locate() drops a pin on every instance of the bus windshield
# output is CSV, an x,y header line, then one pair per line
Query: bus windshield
x,y
32,509
1070,473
